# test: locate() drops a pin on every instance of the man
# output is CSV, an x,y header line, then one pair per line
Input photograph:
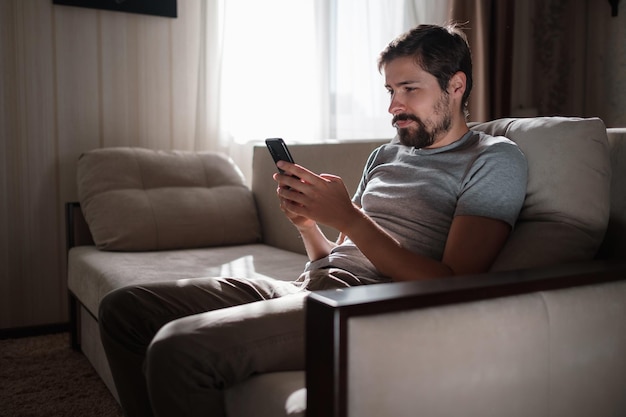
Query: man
x,y
462,191
439,200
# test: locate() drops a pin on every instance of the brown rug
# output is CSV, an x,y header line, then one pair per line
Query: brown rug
x,y
43,376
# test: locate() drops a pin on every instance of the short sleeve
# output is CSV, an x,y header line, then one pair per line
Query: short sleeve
x,y
356,199
495,184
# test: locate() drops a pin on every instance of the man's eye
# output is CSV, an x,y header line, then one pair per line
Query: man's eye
x,y
409,89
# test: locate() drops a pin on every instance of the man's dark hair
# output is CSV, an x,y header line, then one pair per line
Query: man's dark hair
x,y
439,50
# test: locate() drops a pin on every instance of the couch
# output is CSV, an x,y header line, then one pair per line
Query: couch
x,y
541,334
152,215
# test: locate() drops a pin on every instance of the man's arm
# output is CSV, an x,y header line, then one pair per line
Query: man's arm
x,y
315,242
472,245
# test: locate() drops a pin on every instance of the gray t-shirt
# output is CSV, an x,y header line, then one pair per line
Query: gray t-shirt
x,y
415,193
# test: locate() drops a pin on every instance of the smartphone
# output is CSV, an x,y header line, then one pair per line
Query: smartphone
x,y
279,151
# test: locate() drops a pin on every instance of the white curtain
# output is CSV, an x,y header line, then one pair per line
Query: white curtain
x,y
425,11
359,99
270,75
302,70
208,132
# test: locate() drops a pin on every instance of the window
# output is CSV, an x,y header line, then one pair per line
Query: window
x,y
307,69
270,76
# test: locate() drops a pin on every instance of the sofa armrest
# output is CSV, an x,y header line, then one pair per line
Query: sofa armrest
x,y
77,230
77,234
330,314
614,244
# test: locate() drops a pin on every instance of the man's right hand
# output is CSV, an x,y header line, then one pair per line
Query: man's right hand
x,y
315,242
302,223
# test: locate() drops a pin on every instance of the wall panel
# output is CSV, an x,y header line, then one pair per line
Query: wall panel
x,y
185,47
118,80
31,278
154,82
75,79
78,93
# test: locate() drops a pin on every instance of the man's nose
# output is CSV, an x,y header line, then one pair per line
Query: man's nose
x,y
396,105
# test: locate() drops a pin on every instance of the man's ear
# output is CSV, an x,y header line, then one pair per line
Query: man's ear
x,y
457,83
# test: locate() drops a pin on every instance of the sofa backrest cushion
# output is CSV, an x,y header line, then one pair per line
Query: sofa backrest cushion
x,y
566,210
136,199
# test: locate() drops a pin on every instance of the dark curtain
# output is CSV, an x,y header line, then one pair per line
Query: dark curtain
x,y
560,44
489,28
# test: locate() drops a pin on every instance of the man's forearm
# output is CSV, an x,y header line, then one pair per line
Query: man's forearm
x,y
315,242
388,255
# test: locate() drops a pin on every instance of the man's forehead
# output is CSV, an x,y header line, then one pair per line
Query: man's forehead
x,y
405,71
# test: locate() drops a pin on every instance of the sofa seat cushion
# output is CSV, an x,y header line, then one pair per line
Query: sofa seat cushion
x,y
136,199
93,273
275,394
566,210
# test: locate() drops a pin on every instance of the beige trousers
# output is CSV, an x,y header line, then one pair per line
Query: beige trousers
x,y
174,347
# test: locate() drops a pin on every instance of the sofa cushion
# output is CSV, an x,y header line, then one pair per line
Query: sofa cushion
x,y
566,210
138,199
273,394
93,273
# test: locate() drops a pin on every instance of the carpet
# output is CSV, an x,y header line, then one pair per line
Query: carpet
x,y
43,376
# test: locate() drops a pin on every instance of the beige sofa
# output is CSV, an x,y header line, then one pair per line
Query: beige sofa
x,y
548,341
127,230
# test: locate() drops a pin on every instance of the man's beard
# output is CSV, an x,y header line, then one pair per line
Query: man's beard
x,y
421,137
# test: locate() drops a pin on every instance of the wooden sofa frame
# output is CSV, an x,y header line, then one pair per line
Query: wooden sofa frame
x,y
77,234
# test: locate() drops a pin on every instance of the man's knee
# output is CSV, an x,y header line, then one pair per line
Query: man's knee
x,y
175,353
122,318
113,309
182,377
